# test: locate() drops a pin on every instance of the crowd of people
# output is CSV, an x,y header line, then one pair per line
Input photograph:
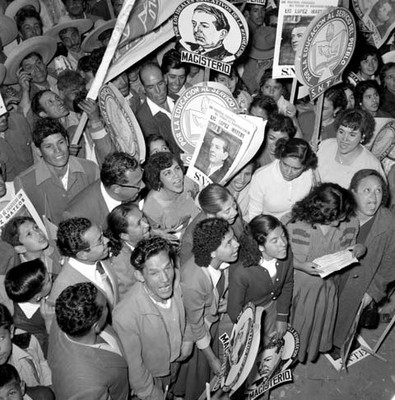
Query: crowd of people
x,y
147,269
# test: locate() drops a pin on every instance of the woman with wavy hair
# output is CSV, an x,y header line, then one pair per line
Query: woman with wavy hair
x,y
322,223
169,207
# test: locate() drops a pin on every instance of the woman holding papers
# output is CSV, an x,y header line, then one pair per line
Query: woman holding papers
x,y
367,281
322,223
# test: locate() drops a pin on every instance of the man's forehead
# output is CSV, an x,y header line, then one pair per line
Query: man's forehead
x,y
69,31
30,59
151,75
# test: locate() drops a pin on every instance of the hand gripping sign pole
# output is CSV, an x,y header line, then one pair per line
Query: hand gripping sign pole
x,y
107,58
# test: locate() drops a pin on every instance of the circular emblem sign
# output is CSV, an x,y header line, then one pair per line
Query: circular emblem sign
x,y
212,33
325,50
119,118
191,110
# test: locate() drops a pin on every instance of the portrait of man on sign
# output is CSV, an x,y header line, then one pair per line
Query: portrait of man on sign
x,y
210,28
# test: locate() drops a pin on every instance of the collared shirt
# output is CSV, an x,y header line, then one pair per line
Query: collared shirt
x,y
65,177
270,266
155,109
214,168
109,345
110,202
29,309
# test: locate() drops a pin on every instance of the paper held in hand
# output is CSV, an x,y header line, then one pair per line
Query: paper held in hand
x,y
334,262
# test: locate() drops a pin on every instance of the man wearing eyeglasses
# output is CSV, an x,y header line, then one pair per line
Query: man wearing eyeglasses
x,y
82,241
121,180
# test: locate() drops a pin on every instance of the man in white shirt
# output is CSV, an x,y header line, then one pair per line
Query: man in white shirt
x,y
83,242
154,115
85,354
120,181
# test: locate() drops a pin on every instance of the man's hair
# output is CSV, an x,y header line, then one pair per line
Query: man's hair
x,y
146,66
6,320
221,22
172,60
25,280
45,127
10,232
8,374
30,55
69,237
23,14
157,163
207,237
96,58
35,104
76,309
84,64
224,140
115,166
148,248
69,78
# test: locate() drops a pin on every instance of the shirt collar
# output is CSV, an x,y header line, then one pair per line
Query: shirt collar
x,y
155,109
43,172
110,202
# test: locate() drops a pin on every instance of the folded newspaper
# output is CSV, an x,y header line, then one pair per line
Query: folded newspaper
x,y
229,141
334,262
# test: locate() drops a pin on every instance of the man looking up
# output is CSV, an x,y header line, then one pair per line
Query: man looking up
x,y
150,321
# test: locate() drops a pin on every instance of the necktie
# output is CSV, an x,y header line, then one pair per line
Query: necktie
x,y
106,283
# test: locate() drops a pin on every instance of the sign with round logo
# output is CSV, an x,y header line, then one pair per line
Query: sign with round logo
x,y
243,347
384,143
213,34
325,50
188,120
121,122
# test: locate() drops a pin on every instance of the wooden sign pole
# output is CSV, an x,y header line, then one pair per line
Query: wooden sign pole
x,y
317,123
105,64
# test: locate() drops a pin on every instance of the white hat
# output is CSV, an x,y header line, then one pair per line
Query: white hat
x,y
92,42
43,45
83,25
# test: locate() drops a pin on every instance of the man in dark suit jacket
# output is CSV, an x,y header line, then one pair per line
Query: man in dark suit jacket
x,y
80,369
154,115
120,181
83,242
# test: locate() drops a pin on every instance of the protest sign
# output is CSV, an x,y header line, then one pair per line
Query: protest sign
x,y
213,34
228,143
378,18
325,50
271,367
19,206
189,116
293,19
119,119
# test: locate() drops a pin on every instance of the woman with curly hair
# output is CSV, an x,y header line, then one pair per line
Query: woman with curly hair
x,y
168,206
339,159
203,285
275,187
263,275
322,223
214,201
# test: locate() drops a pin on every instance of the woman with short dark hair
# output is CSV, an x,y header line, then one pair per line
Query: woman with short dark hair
x,y
322,223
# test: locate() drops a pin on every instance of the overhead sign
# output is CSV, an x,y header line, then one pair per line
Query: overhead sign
x,y
325,50
213,34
